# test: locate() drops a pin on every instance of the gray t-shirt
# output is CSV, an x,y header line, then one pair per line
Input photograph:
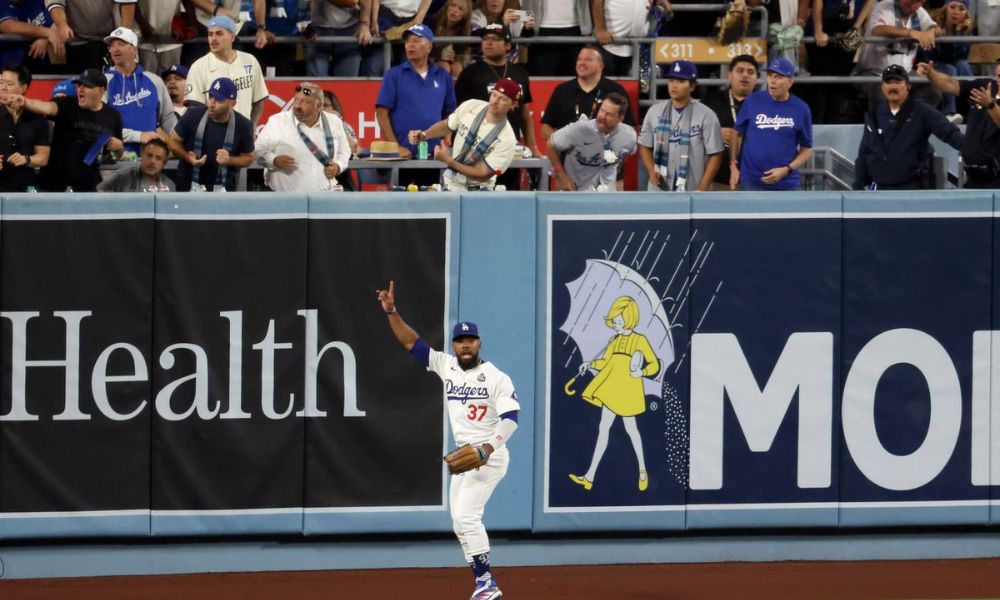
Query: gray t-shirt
x,y
592,158
706,138
129,179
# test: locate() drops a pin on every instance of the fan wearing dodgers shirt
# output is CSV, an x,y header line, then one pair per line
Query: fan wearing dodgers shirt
x,y
482,410
775,130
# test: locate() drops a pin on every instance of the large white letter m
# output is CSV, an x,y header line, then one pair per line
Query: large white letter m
x,y
718,368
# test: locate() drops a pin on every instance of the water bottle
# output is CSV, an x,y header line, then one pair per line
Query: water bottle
x,y
423,152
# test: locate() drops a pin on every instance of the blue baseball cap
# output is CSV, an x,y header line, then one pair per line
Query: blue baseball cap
x,y
223,88
224,22
465,328
682,69
781,66
179,70
65,87
421,30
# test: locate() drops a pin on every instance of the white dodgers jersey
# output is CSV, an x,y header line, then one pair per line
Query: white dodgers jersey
x,y
476,398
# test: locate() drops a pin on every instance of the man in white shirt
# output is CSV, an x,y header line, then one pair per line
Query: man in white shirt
x,y
224,61
616,20
304,149
484,139
911,27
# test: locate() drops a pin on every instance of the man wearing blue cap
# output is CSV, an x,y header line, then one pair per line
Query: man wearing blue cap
x,y
482,410
680,143
414,95
223,60
774,128
213,142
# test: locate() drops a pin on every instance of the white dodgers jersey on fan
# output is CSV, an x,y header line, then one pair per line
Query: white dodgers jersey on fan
x,y
476,398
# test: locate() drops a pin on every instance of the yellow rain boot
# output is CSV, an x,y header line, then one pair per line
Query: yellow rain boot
x,y
643,480
586,483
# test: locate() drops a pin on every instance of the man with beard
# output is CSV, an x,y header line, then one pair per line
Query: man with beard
x,y
304,149
726,104
594,149
138,95
894,152
981,150
483,410
84,127
484,140
776,128
213,142
175,78
145,175
578,99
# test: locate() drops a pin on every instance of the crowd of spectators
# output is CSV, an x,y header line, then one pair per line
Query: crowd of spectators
x,y
173,73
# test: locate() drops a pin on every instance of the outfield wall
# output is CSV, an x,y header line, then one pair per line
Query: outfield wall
x,y
206,365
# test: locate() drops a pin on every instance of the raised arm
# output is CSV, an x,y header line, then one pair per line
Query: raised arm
x,y
405,334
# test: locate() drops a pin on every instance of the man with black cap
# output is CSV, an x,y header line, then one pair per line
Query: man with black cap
x,y
84,127
478,79
484,139
680,143
981,150
894,152
175,78
774,129
483,411
213,142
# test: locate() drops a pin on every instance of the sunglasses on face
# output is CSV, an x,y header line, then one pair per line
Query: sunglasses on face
x,y
308,91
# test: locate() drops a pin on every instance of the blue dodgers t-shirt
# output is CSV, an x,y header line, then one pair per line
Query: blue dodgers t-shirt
x,y
416,102
772,134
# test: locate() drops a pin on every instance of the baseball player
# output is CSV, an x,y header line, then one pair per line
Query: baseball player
x,y
482,409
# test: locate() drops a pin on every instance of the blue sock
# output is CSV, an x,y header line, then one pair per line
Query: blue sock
x,y
481,566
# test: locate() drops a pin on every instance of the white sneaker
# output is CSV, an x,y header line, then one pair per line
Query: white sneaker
x,y
955,118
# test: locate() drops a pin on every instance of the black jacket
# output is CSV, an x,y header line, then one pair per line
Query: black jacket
x,y
895,151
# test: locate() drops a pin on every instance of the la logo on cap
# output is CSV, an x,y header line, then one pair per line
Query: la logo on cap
x,y
465,326
218,85
677,66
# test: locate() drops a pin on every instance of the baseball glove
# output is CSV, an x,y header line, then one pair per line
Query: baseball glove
x,y
466,458
849,41
734,24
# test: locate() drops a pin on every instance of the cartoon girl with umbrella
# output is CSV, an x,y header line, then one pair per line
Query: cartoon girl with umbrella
x,y
617,388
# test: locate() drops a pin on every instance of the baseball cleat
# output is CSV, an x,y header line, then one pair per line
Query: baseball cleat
x,y
586,483
486,590
643,480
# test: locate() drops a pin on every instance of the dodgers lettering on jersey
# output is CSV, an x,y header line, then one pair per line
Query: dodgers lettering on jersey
x,y
776,122
475,398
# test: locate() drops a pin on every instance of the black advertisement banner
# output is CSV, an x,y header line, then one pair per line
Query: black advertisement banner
x,y
216,364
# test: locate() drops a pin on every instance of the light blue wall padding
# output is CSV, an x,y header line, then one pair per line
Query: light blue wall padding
x,y
497,292
126,523
89,560
78,205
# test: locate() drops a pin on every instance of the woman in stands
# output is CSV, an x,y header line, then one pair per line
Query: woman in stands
x,y
454,19
951,58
